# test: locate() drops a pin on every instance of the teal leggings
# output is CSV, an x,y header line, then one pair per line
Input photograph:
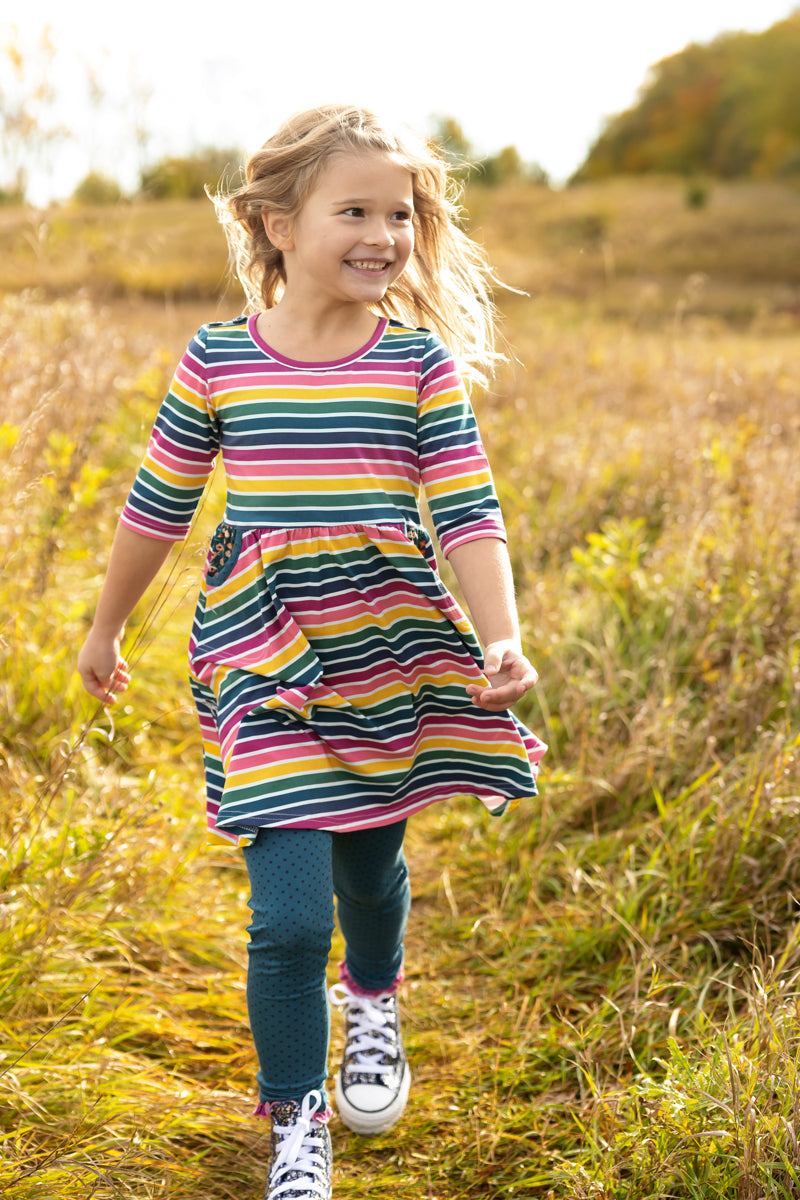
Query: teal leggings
x,y
294,874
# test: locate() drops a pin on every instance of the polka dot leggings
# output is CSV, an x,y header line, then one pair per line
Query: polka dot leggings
x,y
294,874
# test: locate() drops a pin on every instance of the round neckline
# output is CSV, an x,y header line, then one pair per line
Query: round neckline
x,y
314,366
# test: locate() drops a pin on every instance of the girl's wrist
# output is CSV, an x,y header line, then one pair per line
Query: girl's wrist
x,y
105,632
510,642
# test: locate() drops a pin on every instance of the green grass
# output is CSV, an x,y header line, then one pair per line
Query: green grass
x,y
602,995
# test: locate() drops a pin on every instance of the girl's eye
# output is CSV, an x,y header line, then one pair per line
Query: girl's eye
x,y
403,215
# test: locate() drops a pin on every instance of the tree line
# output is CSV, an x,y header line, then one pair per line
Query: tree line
x,y
187,177
729,108
31,128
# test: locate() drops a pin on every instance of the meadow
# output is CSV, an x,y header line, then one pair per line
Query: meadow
x,y
603,996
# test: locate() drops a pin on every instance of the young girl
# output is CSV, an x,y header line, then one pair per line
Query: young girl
x,y
340,688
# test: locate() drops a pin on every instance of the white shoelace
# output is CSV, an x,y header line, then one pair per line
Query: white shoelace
x,y
371,1035
298,1155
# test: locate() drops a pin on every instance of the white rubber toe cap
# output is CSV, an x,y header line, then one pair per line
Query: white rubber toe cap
x,y
367,1108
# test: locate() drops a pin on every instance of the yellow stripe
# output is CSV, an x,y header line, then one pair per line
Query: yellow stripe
x,y
441,400
183,392
309,396
216,840
302,765
313,546
320,485
383,620
366,699
456,483
181,480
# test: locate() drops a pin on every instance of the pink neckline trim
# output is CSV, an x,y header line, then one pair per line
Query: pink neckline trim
x,y
315,366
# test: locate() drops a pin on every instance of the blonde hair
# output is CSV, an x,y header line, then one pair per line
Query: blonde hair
x,y
447,283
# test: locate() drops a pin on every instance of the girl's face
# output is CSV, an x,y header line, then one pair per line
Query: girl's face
x,y
354,235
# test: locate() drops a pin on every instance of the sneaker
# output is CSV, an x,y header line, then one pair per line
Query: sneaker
x,y
372,1084
301,1152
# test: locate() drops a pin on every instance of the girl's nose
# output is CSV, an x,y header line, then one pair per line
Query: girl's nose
x,y
379,234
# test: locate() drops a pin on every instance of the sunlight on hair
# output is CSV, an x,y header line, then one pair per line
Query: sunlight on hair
x,y
447,285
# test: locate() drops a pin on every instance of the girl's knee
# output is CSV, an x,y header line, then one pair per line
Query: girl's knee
x,y
292,933
292,893
374,892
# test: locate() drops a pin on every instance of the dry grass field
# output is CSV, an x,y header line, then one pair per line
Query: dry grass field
x,y
603,997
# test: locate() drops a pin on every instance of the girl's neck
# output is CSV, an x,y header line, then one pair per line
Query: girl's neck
x,y
320,337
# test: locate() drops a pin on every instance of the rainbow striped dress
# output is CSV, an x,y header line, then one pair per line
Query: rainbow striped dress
x,y
328,662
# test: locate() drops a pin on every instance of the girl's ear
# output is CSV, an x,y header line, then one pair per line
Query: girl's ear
x,y
278,227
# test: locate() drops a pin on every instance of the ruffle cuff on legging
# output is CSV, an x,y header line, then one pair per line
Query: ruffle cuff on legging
x,y
346,978
265,1110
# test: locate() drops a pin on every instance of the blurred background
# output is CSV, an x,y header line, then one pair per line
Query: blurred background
x,y
85,91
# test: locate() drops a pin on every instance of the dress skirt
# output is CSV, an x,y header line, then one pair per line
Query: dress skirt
x,y
329,667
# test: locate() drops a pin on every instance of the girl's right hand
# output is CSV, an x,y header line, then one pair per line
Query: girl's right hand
x,y
103,671
510,676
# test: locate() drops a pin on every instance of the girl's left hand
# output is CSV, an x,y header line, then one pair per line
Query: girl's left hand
x,y
510,676
103,671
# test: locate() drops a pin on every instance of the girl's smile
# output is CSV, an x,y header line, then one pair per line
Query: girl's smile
x,y
370,265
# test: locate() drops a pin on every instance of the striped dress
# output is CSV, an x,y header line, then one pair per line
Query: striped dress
x,y
328,662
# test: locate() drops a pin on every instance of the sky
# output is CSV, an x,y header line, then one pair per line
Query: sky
x,y
171,78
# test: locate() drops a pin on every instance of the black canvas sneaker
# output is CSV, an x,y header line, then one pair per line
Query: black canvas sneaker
x,y
301,1151
373,1081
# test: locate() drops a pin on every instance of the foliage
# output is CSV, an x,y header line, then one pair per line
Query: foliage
x,y
13,195
602,992
29,122
188,177
504,166
730,109
454,144
508,166
96,188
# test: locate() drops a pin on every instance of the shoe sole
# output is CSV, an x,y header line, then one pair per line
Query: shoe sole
x,y
373,1122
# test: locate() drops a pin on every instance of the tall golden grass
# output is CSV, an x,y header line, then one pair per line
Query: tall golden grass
x,y
602,997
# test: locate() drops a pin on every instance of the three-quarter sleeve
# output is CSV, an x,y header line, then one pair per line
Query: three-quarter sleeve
x,y
180,454
454,467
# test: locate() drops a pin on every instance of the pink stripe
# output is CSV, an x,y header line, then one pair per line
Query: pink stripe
x,y
395,750
268,376
298,455
149,527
